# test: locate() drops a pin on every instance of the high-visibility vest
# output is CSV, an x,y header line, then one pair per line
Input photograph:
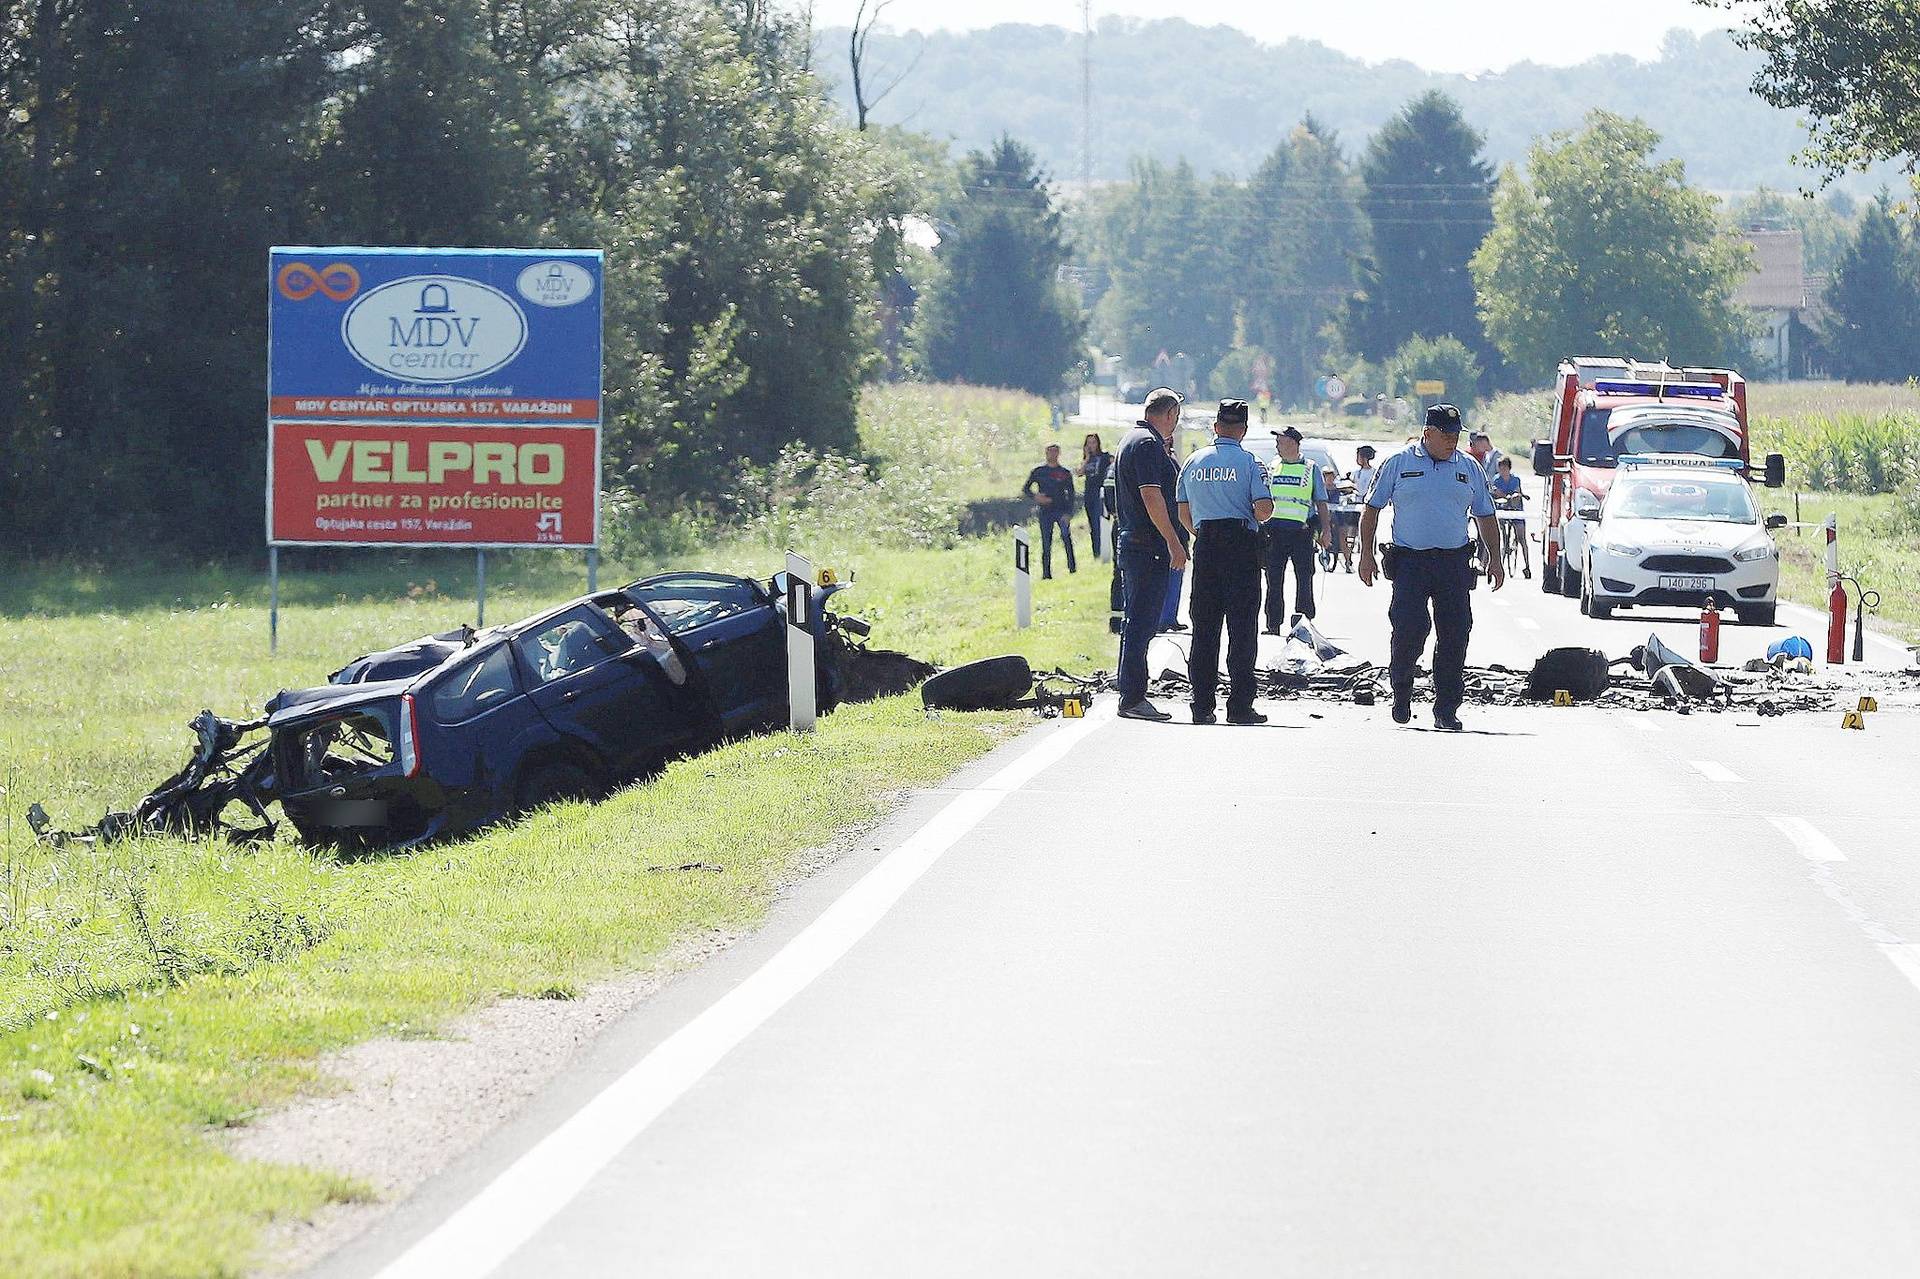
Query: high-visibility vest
x,y
1292,491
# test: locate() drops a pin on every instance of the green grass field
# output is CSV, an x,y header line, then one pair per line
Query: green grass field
x,y
157,992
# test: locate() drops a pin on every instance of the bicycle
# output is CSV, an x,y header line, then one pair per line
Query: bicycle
x,y
1512,516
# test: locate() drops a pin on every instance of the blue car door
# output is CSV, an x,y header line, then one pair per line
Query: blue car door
x,y
735,636
577,668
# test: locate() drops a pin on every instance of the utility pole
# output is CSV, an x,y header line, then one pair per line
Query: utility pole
x,y
1086,98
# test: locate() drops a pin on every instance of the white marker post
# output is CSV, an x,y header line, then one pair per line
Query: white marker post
x,y
1022,580
801,710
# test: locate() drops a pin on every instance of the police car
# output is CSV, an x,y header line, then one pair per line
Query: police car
x,y
1680,530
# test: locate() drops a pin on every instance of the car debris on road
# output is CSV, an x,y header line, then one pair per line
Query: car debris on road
x,y
452,732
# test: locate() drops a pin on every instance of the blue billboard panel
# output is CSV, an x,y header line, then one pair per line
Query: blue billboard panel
x,y
487,336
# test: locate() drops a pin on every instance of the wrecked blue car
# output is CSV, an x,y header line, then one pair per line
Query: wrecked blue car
x,y
449,733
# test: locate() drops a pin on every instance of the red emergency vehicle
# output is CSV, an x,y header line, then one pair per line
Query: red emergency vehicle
x,y
1606,407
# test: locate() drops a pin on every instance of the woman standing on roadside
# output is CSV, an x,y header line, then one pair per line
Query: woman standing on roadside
x,y
1095,463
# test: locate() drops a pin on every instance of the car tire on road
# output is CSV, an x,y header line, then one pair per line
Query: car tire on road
x,y
992,683
1569,581
1757,615
1590,606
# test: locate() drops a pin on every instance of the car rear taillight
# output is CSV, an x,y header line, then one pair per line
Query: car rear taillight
x,y
409,737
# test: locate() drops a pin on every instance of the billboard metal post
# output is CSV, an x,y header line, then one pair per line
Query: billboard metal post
x,y
480,589
801,708
273,600
593,570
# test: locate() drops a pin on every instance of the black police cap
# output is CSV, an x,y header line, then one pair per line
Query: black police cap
x,y
1444,417
1232,413
1292,433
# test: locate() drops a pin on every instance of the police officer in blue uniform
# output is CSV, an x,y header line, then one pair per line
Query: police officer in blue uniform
x,y
1433,487
1224,497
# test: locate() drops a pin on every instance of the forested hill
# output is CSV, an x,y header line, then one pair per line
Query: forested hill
x,y
1228,97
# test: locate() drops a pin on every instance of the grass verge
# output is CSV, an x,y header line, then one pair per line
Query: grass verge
x,y
155,993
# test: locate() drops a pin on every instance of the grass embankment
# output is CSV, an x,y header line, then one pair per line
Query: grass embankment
x,y
1852,451
156,992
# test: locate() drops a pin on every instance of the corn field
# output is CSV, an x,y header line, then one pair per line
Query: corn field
x,y
1845,452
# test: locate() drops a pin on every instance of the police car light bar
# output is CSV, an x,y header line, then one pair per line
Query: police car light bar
x,y
1693,460
1683,390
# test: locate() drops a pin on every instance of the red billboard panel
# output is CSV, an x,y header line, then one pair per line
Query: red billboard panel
x,y
332,483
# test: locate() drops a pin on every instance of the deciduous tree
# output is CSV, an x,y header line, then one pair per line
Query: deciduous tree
x,y
1601,249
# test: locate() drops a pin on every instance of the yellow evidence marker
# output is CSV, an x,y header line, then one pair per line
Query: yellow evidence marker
x,y
1073,708
826,578
1869,704
1853,719
1561,697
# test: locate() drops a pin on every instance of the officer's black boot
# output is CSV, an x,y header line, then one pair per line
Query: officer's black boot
x,y
1403,705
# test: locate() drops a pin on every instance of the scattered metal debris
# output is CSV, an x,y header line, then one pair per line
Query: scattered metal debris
x,y
225,769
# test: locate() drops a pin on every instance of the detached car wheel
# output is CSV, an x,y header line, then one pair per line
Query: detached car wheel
x,y
992,684
550,783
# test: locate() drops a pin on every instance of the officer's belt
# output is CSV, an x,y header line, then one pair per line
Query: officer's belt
x,y
1430,551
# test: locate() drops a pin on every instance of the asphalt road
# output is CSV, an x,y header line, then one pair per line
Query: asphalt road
x,y
1579,992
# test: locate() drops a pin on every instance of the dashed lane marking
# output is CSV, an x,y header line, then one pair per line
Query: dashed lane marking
x,y
1906,958
1714,771
1808,841
537,1186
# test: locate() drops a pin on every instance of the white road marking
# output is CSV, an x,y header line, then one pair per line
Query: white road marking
x,y
1809,842
537,1186
1714,772
1527,623
1906,958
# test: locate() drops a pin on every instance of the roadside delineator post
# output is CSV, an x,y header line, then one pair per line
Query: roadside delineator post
x,y
801,708
1836,598
1022,580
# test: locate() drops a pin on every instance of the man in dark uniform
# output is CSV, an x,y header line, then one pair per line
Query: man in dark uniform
x,y
1432,486
1054,483
1147,546
1223,495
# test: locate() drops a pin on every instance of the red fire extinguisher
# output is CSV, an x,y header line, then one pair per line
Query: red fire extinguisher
x,y
1837,624
1710,633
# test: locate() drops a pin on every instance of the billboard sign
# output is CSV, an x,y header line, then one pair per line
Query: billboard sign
x,y
439,396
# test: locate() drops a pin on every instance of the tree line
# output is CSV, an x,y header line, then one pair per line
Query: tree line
x,y
152,150
1415,261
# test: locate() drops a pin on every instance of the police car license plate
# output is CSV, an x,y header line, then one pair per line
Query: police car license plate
x,y
1686,583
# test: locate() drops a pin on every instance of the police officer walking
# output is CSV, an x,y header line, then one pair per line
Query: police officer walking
x,y
1223,496
1147,546
1299,497
1432,486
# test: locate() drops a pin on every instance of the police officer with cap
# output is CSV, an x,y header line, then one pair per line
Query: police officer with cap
x,y
1433,487
1223,499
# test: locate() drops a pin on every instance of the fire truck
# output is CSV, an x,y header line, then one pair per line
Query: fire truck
x,y
1604,408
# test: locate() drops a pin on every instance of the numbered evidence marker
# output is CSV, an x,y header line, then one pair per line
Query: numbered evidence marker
x,y
1853,719
826,578
801,709
1869,704
1073,708
1561,697
1022,580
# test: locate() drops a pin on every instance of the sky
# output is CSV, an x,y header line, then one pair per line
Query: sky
x,y
1484,35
